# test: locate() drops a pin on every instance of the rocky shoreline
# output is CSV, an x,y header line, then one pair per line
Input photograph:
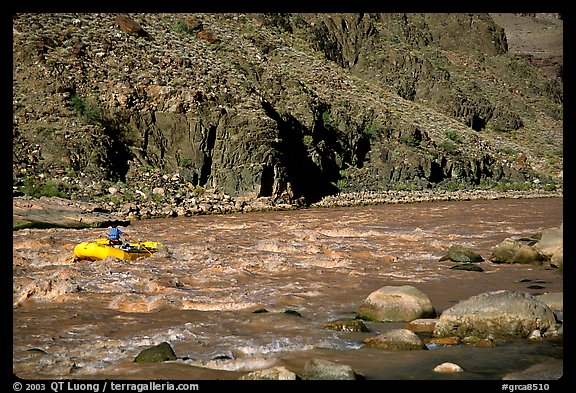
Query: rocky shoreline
x,y
46,212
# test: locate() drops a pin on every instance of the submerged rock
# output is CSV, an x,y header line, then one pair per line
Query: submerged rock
x,y
458,253
469,267
159,353
346,325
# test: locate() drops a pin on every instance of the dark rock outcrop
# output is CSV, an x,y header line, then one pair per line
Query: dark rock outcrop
x,y
277,105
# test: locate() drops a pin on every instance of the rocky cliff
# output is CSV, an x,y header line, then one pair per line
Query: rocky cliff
x,y
113,107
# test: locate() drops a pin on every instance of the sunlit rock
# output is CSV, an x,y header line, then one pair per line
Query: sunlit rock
x,y
272,373
396,303
493,314
396,340
319,369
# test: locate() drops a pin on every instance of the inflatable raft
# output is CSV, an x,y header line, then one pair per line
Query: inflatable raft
x,y
101,248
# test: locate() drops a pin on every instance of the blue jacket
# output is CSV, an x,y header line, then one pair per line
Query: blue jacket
x,y
115,233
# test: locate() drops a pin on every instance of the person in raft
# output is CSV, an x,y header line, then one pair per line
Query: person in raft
x,y
114,234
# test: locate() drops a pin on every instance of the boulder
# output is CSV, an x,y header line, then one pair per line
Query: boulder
x,y
423,325
396,303
448,367
554,300
501,313
551,240
346,325
159,353
130,26
396,340
279,373
551,244
518,251
458,253
469,267
550,370
318,369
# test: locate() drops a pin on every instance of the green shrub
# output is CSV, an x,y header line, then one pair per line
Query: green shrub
x,y
36,188
409,140
406,187
453,135
550,187
89,111
513,186
448,146
370,130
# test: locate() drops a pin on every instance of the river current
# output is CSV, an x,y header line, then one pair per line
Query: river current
x,y
90,319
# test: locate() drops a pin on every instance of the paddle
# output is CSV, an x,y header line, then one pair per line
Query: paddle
x,y
139,243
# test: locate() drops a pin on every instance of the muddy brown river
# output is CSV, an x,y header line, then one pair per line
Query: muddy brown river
x,y
89,319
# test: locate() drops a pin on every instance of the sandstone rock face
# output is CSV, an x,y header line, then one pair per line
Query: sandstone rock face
x,y
493,314
396,303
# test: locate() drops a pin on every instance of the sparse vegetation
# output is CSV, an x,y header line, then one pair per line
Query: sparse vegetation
x,y
203,78
453,136
37,188
84,108
513,186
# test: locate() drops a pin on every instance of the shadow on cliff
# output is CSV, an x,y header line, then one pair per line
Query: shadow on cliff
x,y
311,171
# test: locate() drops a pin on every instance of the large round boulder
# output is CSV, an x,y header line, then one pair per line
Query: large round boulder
x,y
517,251
396,303
551,244
501,313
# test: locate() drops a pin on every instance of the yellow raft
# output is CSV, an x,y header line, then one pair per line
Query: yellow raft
x,y
102,248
